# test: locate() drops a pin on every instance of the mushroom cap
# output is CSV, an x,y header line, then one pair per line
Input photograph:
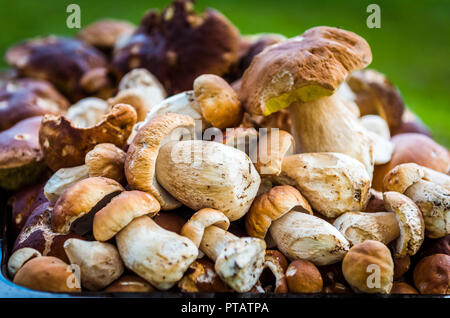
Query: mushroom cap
x,y
19,258
302,68
415,148
195,227
438,246
46,273
205,174
218,102
376,203
368,267
303,236
65,145
358,227
27,97
178,44
63,179
161,257
103,34
129,284
59,60
82,200
403,288
401,266
241,262
303,277
106,160
333,183
272,148
272,205
375,94
410,221
201,277
170,220
100,263
123,209
277,264
402,177
432,274
140,164
87,112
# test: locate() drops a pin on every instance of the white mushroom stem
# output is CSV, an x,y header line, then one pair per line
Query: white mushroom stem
x,y
327,125
62,179
214,241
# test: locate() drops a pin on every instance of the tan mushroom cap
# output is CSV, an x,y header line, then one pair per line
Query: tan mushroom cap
x,y
129,284
80,199
410,221
106,160
195,227
272,148
302,68
103,34
123,209
303,277
46,273
402,177
218,102
403,288
19,258
140,163
272,205
65,145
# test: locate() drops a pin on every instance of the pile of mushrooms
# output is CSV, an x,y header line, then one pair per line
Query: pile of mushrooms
x,y
217,162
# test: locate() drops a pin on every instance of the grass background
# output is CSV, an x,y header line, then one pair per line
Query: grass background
x,y
412,46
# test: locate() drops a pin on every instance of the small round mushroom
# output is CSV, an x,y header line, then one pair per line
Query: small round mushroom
x,y
99,263
75,209
46,273
140,163
303,73
178,44
21,156
432,274
333,183
368,268
204,174
303,277
238,261
140,89
106,160
410,221
63,179
129,284
25,98
65,145
358,227
87,112
19,258
403,288
413,148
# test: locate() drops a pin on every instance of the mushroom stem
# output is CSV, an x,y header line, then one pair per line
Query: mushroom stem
x,y
214,241
327,125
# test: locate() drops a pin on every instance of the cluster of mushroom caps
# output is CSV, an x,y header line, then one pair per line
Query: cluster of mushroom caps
x,y
175,178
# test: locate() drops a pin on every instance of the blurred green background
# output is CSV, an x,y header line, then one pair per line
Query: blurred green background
x,y
412,46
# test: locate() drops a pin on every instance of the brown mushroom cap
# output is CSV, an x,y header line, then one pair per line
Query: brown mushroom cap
x,y
403,288
178,44
218,102
277,264
20,154
45,273
129,284
24,98
141,157
201,277
303,68
376,203
106,160
61,61
82,200
170,220
272,205
438,246
122,209
303,277
415,148
65,145
432,274
401,266
375,94
357,272
410,221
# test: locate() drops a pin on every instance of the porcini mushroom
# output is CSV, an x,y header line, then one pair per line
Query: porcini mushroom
x,y
238,261
63,179
201,277
302,73
106,160
87,112
205,174
19,258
